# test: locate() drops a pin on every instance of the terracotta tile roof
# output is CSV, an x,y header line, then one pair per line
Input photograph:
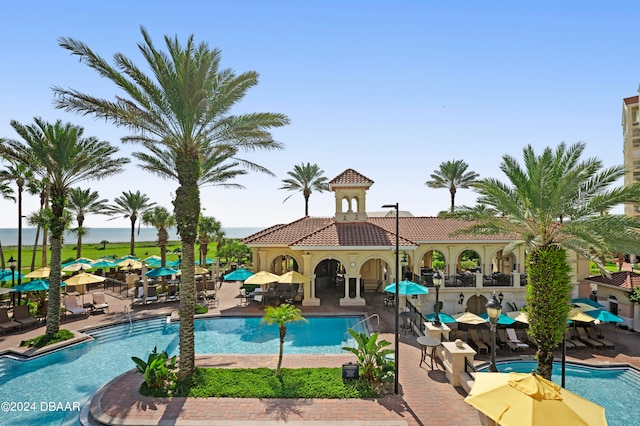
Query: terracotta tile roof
x,y
350,177
631,100
351,234
286,234
421,229
624,279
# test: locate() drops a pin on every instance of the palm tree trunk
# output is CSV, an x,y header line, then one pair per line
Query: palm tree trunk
x,y
1,255
53,307
35,248
79,243
283,332
132,240
306,205
45,235
452,191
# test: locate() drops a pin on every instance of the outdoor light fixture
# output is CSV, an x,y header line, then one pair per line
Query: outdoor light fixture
x,y
494,309
500,297
461,299
397,296
437,282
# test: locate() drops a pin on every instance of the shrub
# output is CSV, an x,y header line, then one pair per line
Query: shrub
x,y
45,339
371,357
159,373
201,309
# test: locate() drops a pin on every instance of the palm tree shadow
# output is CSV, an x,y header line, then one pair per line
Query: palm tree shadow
x,y
282,409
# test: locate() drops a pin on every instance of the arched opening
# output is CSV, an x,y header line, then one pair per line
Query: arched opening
x,y
330,281
283,263
476,304
613,304
432,261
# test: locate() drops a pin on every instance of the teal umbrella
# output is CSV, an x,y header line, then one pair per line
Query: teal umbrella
x,y
604,316
6,275
587,301
162,271
173,263
35,285
102,264
208,261
153,263
407,288
239,274
502,319
442,316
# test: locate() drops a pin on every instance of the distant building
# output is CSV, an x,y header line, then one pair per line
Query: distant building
x,y
352,254
631,147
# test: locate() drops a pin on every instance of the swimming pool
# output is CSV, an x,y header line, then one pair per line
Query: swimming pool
x,y
50,389
615,388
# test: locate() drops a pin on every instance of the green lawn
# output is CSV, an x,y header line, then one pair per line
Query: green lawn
x,y
262,383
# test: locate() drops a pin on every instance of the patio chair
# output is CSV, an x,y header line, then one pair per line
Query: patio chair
x,y
99,303
512,336
485,335
71,305
21,315
504,340
139,296
582,336
7,323
201,292
574,340
592,334
172,293
152,295
474,340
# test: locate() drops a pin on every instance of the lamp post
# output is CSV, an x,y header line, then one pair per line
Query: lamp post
x,y
397,296
437,282
494,309
12,266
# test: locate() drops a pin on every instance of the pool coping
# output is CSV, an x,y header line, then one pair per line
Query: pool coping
x,y
599,365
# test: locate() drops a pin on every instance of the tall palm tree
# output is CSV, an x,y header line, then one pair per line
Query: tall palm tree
x,y
131,205
452,175
182,109
281,316
21,174
554,204
305,178
59,153
81,203
208,229
161,219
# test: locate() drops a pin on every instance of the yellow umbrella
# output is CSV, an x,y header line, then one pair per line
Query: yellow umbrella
x,y
584,307
293,277
130,264
40,273
469,318
527,399
83,278
520,316
199,270
577,315
77,267
262,278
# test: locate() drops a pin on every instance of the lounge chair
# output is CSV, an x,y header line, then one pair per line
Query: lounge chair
x,y
504,340
476,342
71,305
152,295
7,323
592,334
582,336
574,340
21,315
485,335
99,303
511,335
244,296
172,293
201,292
139,297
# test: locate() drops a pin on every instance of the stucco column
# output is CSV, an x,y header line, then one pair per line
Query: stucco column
x,y
455,354
309,287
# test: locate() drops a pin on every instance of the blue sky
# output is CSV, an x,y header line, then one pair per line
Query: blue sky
x,y
390,89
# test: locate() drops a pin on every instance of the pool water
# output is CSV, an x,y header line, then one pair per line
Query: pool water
x,y
616,389
48,390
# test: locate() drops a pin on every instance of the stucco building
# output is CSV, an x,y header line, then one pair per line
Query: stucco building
x,y
631,146
352,254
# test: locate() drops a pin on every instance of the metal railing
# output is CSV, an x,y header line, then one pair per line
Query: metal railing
x,y
345,335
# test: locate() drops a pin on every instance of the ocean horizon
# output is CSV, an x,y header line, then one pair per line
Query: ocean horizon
x,y
9,236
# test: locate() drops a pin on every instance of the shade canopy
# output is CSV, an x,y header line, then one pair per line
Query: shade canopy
x,y
442,316
39,273
79,266
35,285
578,315
293,277
587,301
262,278
528,399
84,278
503,319
239,274
102,264
469,318
406,287
520,316
162,271
604,316
6,275
129,264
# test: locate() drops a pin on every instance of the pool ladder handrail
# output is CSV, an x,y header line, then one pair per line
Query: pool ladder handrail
x,y
345,335
127,313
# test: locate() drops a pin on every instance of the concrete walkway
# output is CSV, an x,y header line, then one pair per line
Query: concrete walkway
x,y
425,397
